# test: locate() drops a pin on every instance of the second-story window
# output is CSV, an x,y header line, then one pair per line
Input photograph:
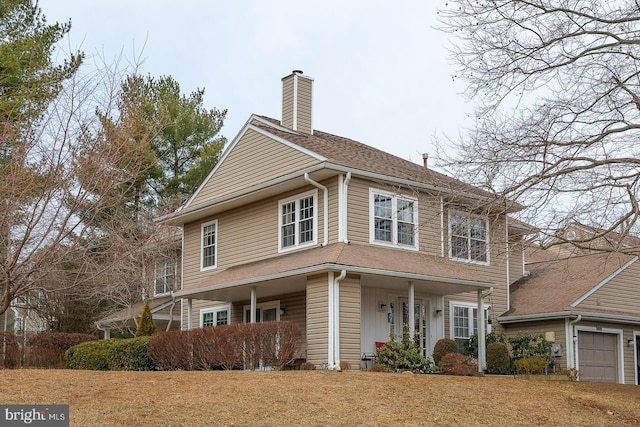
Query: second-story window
x,y
165,277
298,221
468,237
394,219
209,244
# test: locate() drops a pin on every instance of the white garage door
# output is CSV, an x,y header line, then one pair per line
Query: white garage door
x,y
597,357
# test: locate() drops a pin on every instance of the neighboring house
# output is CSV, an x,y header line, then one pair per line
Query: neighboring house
x,y
163,258
584,301
345,240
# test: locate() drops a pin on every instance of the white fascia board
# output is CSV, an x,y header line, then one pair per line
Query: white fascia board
x,y
602,317
603,282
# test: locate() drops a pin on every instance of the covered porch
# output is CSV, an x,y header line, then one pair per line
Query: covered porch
x,y
343,297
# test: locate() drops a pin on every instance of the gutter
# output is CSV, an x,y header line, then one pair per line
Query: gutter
x,y
326,205
603,317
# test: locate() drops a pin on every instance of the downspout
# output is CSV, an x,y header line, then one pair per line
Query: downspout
x,y
336,320
326,206
572,341
345,217
441,227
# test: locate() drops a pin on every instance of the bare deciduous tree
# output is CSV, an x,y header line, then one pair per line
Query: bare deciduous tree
x,y
557,124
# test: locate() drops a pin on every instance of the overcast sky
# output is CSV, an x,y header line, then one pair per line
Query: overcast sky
x,y
381,74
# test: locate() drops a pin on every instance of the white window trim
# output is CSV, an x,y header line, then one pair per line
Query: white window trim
x,y
468,260
165,261
263,305
215,310
296,198
215,265
468,305
394,228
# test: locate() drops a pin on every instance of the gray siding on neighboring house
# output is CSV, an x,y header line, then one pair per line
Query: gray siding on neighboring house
x,y
620,294
255,158
317,319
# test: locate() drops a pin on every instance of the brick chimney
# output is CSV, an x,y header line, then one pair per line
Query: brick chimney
x,y
297,100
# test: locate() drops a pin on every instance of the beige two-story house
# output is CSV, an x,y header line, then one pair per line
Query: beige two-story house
x,y
345,240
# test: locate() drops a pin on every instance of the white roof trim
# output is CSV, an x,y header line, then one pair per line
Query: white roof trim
x,y
603,282
602,317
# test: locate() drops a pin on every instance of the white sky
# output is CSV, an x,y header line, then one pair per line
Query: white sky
x,y
381,74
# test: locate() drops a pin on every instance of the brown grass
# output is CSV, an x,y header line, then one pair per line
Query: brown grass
x,y
318,398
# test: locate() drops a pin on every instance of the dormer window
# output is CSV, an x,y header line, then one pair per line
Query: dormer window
x,y
298,221
393,219
468,237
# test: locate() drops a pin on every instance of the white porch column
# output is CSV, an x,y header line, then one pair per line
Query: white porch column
x,y
189,314
107,334
252,315
482,352
412,313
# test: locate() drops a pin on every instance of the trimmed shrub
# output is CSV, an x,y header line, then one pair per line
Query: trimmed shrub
x,y
46,350
377,367
171,350
130,355
443,346
471,345
458,364
404,355
307,366
531,365
92,355
498,359
146,327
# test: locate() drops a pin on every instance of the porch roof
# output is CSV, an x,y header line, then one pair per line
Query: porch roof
x,y
378,267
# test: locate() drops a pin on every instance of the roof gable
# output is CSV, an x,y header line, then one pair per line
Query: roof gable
x,y
559,284
254,156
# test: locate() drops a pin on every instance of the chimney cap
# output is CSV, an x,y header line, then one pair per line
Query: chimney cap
x,y
297,72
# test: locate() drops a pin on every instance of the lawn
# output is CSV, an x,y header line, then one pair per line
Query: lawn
x,y
318,398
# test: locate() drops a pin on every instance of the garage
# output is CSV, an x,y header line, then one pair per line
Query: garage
x,y
598,357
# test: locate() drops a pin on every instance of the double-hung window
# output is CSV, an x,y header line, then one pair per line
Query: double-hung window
x,y
468,237
298,221
209,233
464,322
165,276
393,219
215,316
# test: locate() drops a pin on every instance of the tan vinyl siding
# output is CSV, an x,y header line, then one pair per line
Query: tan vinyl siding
x,y
255,158
350,295
317,320
245,235
287,102
620,294
429,230
515,260
494,273
304,105
557,327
